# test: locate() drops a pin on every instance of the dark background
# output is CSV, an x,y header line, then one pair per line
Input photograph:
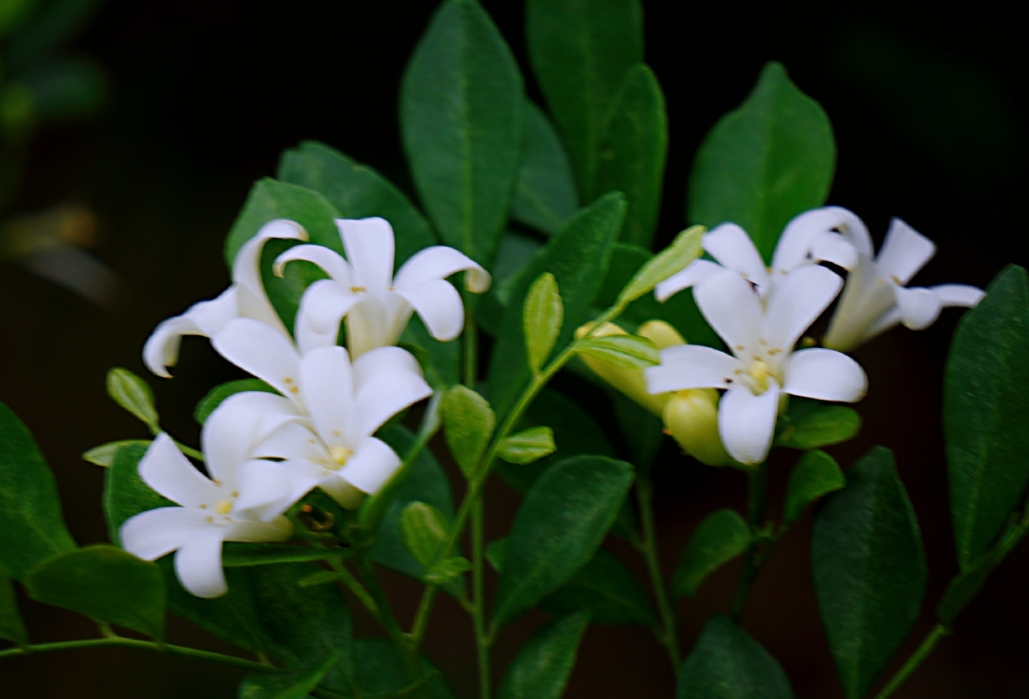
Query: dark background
x,y
930,124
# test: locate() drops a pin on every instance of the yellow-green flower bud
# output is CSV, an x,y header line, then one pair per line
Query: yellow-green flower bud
x,y
628,381
661,334
691,417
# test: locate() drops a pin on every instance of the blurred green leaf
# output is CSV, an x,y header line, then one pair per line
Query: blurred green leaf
x,y
765,162
380,672
869,570
134,395
66,87
545,195
527,446
216,395
542,666
444,357
513,261
50,23
12,628
447,570
808,424
721,537
286,685
236,555
468,423
624,351
13,12
423,529
461,114
815,475
104,454
682,251
606,589
31,525
542,316
985,411
642,431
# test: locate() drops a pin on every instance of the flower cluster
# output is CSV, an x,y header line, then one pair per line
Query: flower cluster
x,y
264,452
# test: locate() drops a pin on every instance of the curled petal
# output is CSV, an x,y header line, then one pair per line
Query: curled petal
x,y
797,244
696,272
378,321
387,380
440,262
246,271
833,247
155,533
691,366
269,488
275,529
735,251
167,471
863,303
198,564
746,422
825,375
958,295
439,306
238,425
904,252
205,318
797,302
733,309
260,350
918,307
331,262
327,381
369,246
371,466
322,308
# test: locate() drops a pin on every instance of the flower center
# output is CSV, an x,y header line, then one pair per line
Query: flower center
x,y
340,455
760,372
223,507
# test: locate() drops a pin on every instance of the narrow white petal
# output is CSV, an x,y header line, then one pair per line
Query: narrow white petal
x,y
377,321
246,271
342,492
169,473
237,426
371,466
440,262
732,308
746,422
439,305
825,375
696,272
387,380
798,238
321,311
864,300
327,381
797,302
275,529
958,295
331,262
369,246
205,318
198,564
833,247
691,366
292,441
904,252
880,325
263,352
918,307
735,251
154,533
271,487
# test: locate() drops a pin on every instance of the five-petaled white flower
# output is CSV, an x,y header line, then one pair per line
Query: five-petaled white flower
x,y
209,511
763,364
376,304
875,298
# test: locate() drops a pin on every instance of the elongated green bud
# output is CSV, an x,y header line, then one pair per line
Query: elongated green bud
x,y
628,381
691,417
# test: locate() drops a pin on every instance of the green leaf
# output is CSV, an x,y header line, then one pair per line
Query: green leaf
x,y
815,475
237,555
642,431
444,358
31,525
721,537
558,528
577,256
542,317
64,88
625,351
468,423
216,395
286,685
380,673
461,114
543,665
104,583
985,410
12,628
104,454
809,424
447,570
869,570
134,395
726,663
423,530
676,257
581,51
357,191
527,446
765,162
633,149
606,589
545,195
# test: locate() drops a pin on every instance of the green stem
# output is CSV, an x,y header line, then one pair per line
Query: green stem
x,y
669,636
916,659
482,641
355,586
121,642
387,618
753,561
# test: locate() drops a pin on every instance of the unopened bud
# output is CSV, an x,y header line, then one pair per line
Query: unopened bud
x,y
628,381
661,334
691,417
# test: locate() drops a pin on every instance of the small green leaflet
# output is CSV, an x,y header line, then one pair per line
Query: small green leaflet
x,y
624,351
527,446
809,424
423,530
722,536
105,454
815,475
676,257
542,316
468,423
134,395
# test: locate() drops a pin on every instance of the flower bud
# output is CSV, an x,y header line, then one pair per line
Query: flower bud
x,y
661,334
628,381
691,417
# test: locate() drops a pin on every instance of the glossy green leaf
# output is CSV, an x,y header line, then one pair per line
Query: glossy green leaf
x,y
527,446
134,395
765,162
722,536
31,525
237,555
633,148
606,589
676,257
543,665
726,663
104,454
581,52
577,256
558,528
468,423
357,191
104,583
624,351
461,114
985,411
219,393
286,685
542,316
809,424
869,570
965,586
545,196
423,529
815,475
12,628
380,672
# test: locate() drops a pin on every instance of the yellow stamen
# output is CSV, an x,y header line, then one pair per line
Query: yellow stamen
x,y
340,454
759,370
223,507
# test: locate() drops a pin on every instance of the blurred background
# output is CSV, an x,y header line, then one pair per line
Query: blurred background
x,y
131,133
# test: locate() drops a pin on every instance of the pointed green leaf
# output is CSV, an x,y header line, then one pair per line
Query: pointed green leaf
x,y
104,454
722,536
558,528
12,628
581,51
286,685
31,525
726,663
765,162
237,555
461,113
809,424
869,570
542,317
447,570
423,530
381,673
625,351
964,587
357,191
676,257
985,410
633,148
545,196
104,583
543,665
468,423
606,589
216,395
815,475
527,446
134,395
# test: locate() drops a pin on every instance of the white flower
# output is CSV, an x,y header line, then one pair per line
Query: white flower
x,y
245,298
875,298
763,364
209,511
376,304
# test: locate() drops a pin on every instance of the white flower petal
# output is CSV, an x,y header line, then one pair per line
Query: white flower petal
x,y
732,308
799,237
439,262
275,529
958,295
154,533
246,271
691,366
263,352
797,302
378,321
292,441
864,300
169,473
331,262
735,251
904,252
205,318
328,385
386,380
322,308
439,305
746,422
269,488
342,492
369,246
918,307
237,425
695,272
833,247
371,466
825,375
198,564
